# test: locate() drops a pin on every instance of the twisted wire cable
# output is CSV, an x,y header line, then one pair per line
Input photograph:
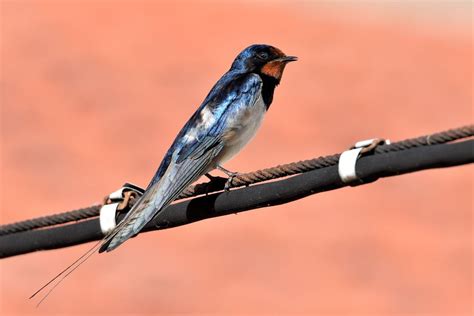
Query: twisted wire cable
x,y
246,179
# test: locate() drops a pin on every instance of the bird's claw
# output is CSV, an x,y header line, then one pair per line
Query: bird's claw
x,y
229,181
231,176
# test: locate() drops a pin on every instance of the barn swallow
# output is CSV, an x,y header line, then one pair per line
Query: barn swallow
x,y
226,121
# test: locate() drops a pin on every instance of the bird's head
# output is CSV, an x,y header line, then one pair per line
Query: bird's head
x,y
262,59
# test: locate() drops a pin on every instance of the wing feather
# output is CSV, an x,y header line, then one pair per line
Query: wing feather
x,y
177,178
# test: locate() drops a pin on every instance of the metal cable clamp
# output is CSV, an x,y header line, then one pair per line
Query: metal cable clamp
x,y
348,159
115,202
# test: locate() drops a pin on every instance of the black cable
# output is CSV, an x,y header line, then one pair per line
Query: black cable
x,y
246,179
369,168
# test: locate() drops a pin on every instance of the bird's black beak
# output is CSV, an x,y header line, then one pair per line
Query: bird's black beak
x,y
288,59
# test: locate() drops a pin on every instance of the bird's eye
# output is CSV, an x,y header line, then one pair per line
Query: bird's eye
x,y
263,55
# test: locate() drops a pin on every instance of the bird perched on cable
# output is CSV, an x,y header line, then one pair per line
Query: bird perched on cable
x,y
224,123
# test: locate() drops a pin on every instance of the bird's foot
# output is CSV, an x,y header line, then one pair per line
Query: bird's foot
x,y
229,182
231,176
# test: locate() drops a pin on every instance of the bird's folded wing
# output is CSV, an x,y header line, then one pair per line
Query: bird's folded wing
x,y
178,176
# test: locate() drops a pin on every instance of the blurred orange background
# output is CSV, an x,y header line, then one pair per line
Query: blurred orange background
x,y
93,93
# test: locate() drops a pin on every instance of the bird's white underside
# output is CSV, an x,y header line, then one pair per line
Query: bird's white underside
x,y
241,129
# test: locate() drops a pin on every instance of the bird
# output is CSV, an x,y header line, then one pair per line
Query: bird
x,y
223,124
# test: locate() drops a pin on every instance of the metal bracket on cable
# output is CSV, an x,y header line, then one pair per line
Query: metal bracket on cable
x,y
115,202
348,159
